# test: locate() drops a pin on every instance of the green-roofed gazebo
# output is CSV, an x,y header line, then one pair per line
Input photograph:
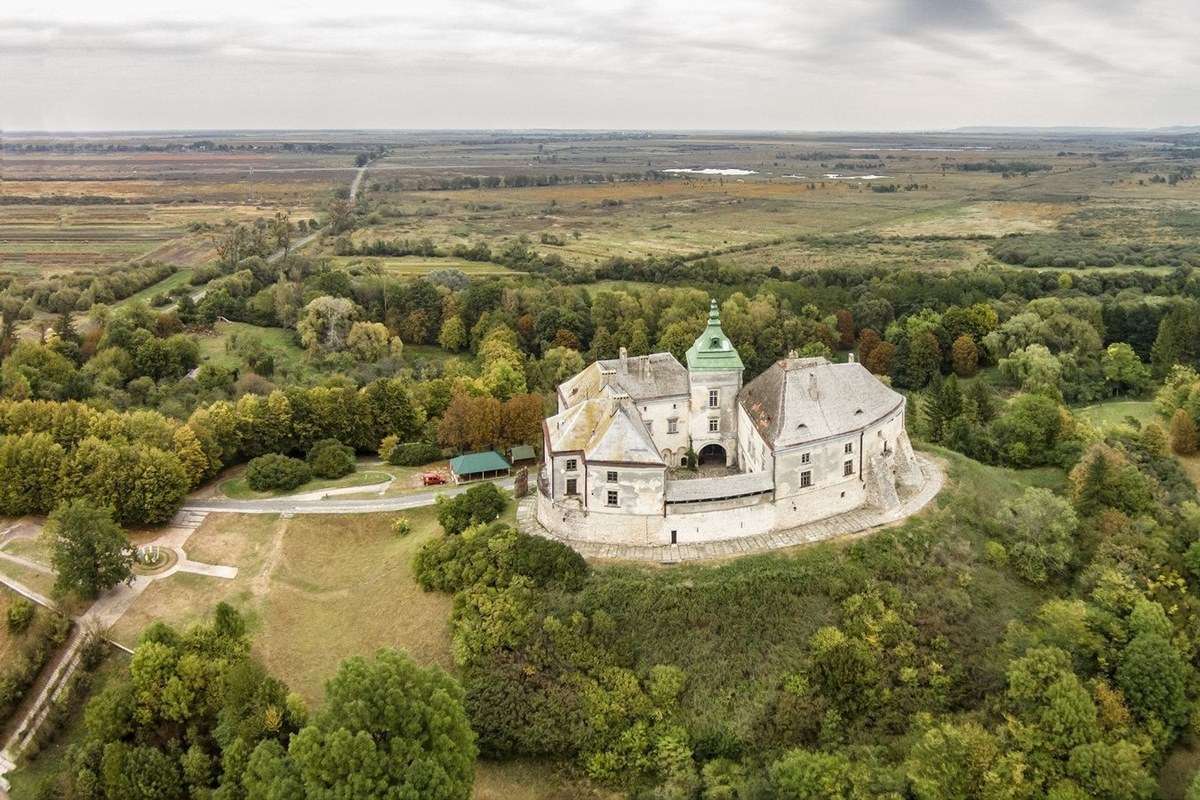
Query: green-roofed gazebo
x,y
478,466
713,350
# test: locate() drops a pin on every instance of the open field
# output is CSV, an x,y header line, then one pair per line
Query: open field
x,y
415,266
314,592
43,239
932,200
1115,412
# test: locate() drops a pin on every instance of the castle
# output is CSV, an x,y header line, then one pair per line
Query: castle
x,y
805,440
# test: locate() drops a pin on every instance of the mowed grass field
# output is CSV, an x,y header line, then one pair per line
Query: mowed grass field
x,y
316,590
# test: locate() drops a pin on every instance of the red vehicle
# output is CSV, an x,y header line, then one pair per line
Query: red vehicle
x,y
433,479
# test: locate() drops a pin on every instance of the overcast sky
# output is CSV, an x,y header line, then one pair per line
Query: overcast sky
x,y
658,64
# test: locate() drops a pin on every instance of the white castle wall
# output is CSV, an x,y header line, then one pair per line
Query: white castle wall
x,y
789,507
657,415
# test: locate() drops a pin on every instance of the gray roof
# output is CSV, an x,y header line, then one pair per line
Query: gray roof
x,y
799,400
640,377
697,489
604,429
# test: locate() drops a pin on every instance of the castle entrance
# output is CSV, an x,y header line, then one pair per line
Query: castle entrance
x,y
712,455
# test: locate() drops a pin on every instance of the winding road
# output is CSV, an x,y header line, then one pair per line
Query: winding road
x,y
289,506
303,241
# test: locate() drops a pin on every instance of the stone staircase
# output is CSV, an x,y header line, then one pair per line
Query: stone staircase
x,y
187,518
66,662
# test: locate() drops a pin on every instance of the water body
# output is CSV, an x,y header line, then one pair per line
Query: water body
x,y
714,171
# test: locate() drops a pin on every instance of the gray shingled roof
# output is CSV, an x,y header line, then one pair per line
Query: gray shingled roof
x,y
604,429
804,399
698,489
640,377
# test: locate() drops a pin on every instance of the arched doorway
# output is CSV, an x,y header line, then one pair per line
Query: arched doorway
x,y
712,454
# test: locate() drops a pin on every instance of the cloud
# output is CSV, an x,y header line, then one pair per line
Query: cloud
x,y
780,61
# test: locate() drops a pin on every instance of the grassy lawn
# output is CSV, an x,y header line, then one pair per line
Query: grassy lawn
x,y
179,278
215,349
237,488
315,590
37,581
1114,412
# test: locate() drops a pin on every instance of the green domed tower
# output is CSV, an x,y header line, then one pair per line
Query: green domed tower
x,y
715,376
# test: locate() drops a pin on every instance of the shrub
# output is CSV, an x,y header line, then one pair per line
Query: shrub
x,y
387,446
413,454
329,458
478,505
20,614
401,526
276,472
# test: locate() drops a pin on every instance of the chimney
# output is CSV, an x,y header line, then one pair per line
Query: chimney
x,y
792,354
850,359
812,386
624,354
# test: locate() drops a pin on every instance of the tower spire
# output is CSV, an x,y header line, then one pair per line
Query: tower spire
x,y
713,350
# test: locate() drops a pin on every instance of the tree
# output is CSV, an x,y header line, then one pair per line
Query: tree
x,y
478,505
329,458
388,729
470,423
1123,370
1154,677
90,552
453,336
965,356
879,361
1028,429
952,761
1042,534
845,329
1184,437
370,341
807,775
281,231
325,324
29,467
944,403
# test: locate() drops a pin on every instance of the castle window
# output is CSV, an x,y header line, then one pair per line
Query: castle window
x,y
806,479
716,342
572,486
805,458
612,476
649,425
714,425
848,467
672,426
571,465
714,398
849,448
612,499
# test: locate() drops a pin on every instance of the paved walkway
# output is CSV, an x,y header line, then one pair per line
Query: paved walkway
x,y
98,618
296,505
855,522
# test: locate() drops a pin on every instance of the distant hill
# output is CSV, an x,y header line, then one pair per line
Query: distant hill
x,y
1070,130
